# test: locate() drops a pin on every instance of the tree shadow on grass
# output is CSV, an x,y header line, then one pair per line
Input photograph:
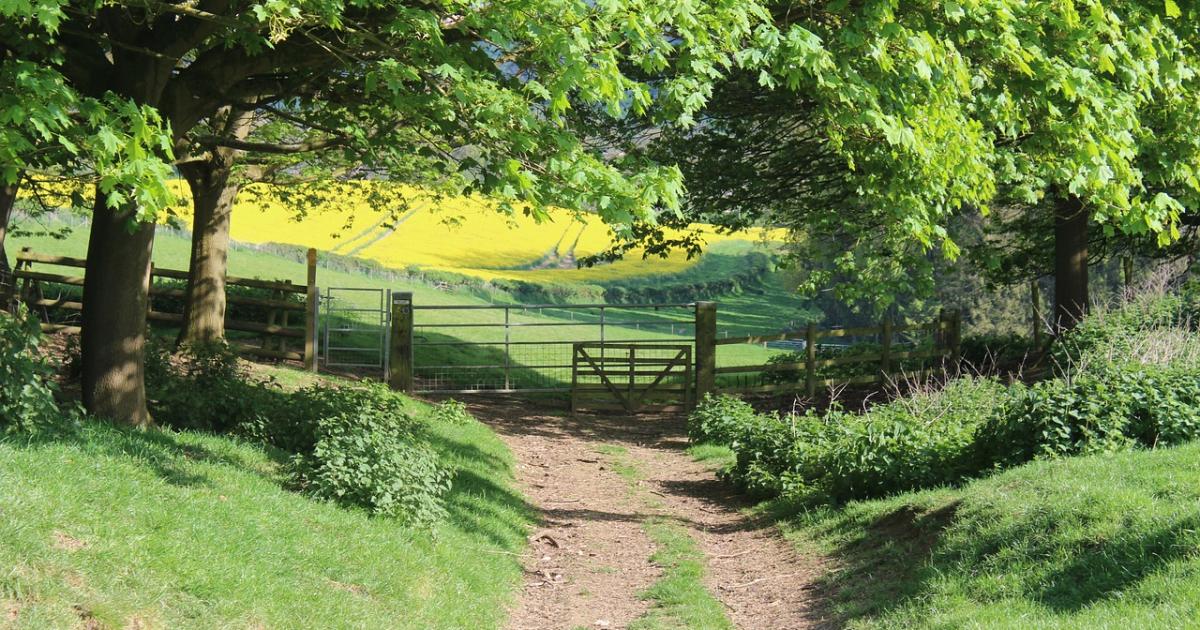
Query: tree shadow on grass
x,y
886,561
168,455
482,504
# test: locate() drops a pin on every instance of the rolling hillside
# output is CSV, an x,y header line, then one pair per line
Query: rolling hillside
x,y
404,228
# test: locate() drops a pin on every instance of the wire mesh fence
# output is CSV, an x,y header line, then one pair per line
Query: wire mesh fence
x,y
509,348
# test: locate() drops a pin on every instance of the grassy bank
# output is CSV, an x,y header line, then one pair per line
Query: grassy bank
x,y
1104,541
182,529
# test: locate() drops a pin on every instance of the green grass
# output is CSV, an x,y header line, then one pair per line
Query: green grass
x,y
679,599
180,529
1106,541
716,456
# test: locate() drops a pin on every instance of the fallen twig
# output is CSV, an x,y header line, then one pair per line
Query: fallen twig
x,y
764,579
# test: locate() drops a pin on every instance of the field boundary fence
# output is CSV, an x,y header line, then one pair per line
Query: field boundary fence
x,y
511,348
284,326
892,352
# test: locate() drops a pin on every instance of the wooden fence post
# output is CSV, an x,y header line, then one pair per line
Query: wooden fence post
x,y
810,360
885,354
311,314
706,348
400,360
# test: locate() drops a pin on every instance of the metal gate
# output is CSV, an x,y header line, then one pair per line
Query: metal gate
x,y
631,376
356,324
528,347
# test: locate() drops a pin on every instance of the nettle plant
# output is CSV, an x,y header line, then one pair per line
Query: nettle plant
x,y
27,390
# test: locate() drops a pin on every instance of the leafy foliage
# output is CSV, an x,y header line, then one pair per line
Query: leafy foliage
x,y
451,412
911,443
27,391
206,387
718,418
356,445
366,452
1110,409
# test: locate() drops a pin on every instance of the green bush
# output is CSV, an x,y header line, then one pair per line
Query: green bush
x,y
718,418
450,412
987,351
1126,332
1113,409
367,452
206,387
915,442
356,445
27,391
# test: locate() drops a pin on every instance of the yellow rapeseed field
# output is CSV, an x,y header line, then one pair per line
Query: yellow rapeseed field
x,y
466,235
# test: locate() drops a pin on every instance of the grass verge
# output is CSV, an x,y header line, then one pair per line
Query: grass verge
x,y
1087,542
119,528
716,456
678,599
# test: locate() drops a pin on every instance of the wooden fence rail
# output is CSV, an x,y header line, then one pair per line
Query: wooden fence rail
x,y
25,284
946,331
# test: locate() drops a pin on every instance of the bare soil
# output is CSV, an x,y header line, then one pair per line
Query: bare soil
x,y
589,559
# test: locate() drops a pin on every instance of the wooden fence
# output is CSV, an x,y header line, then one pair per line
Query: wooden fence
x,y
946,332
288,321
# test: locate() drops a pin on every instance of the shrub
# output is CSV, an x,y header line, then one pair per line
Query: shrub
x,y
1113,409
366,452
206,387
27,403
987,351
717,419
1145,329
919,441
450,412
354,445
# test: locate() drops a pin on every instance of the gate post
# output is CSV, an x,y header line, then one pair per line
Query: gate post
x,y
706,348
310,315
400,357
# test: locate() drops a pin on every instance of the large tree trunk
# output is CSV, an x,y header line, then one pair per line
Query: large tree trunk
x,y
212,204
1070,262
8,197
115,291
117,279
212,207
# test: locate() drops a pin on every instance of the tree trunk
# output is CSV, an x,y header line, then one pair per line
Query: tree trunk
x,y
212,207
212,204
8,197
1070,262
117,279
115,291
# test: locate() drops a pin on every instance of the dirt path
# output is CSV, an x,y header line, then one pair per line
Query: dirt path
x,y
590,559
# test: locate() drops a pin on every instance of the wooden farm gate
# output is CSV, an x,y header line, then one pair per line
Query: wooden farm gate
x,y
632,376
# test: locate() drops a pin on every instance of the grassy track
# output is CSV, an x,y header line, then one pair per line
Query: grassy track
x,y
177,529
679,598
1106,541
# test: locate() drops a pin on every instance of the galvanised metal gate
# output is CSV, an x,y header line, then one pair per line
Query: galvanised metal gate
x,y
528,347
355,326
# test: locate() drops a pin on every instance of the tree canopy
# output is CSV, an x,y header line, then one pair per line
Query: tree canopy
x,y
910,114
